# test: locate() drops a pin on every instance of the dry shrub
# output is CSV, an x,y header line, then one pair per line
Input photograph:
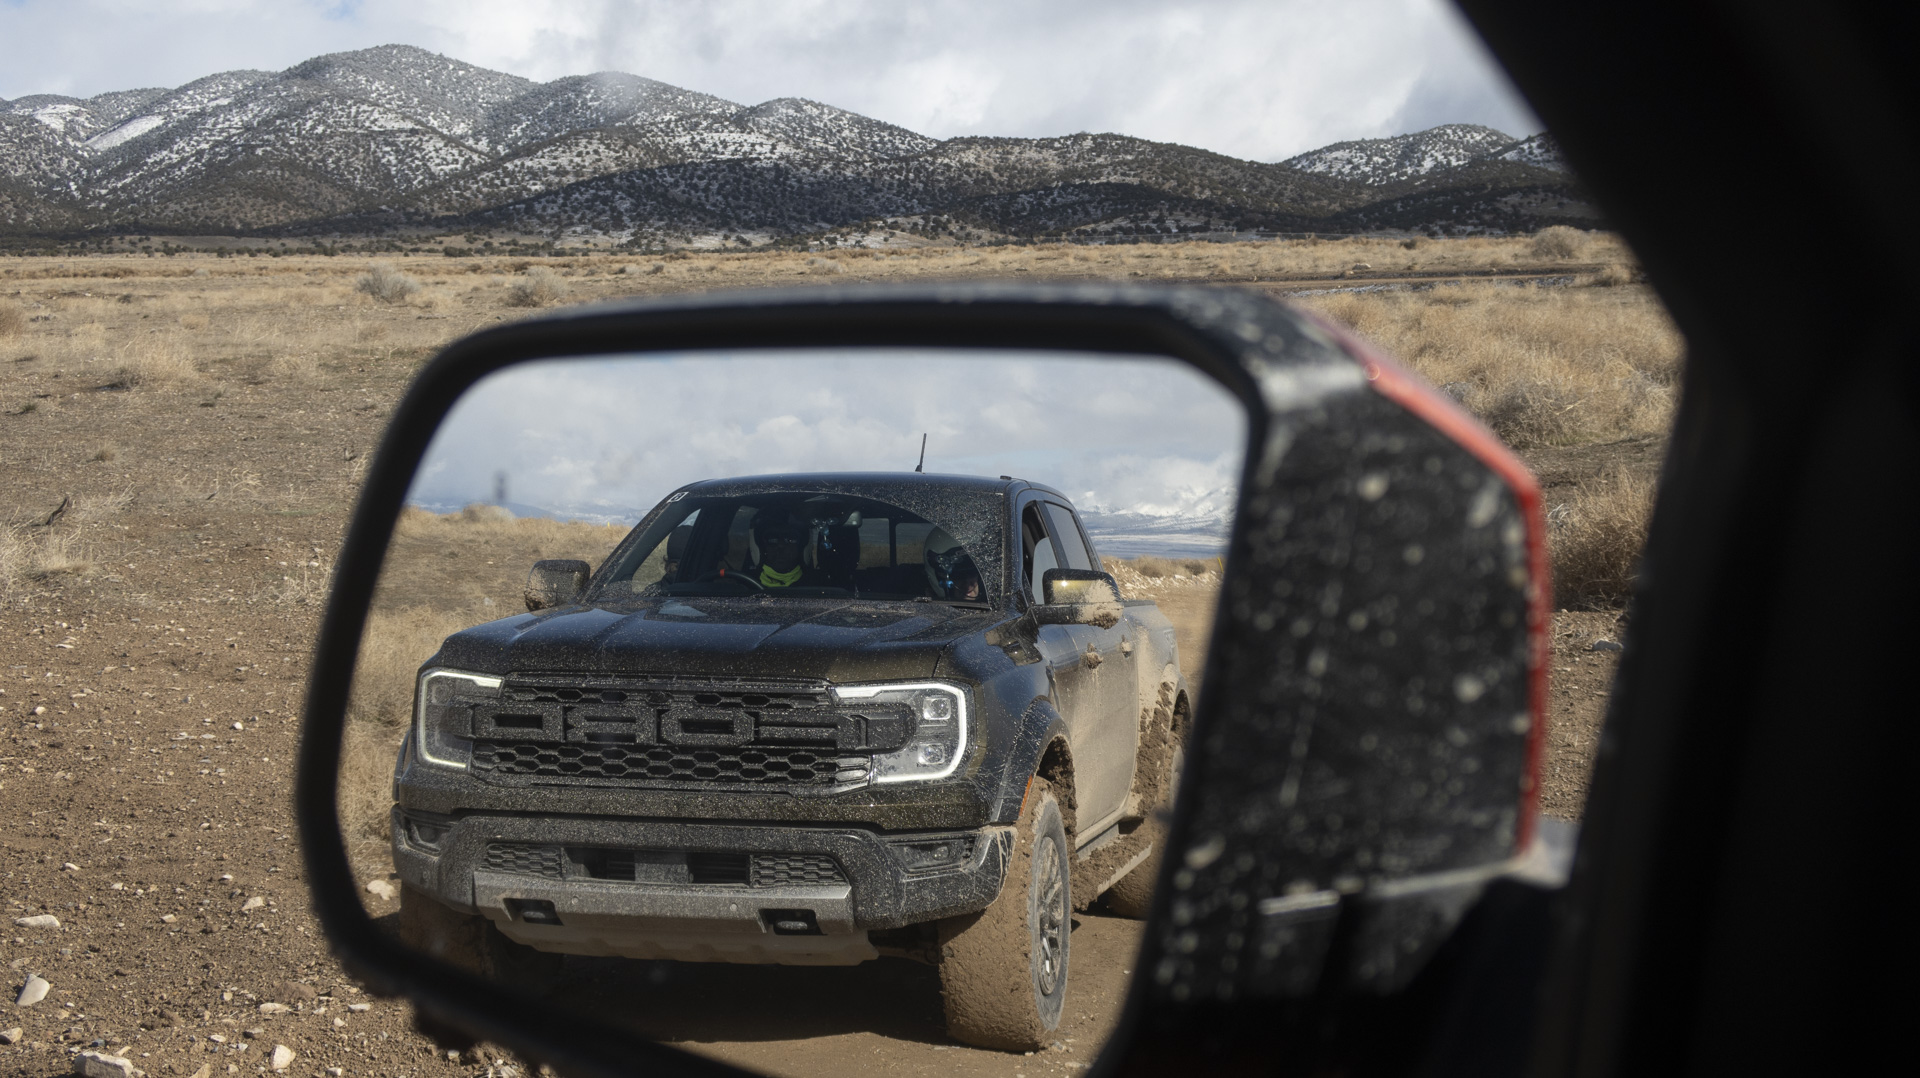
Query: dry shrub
x,y
1149,575
152,362
1559,242
15,557
304,586
538,287
13,320
1538,365
1154,568
1596,538
53,554
386,284
96,507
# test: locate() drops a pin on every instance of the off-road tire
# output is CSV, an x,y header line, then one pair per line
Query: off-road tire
x,y
471,942
1003,971
1132,895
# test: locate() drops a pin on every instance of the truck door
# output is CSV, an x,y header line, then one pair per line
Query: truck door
x,y
1078,680
1108,666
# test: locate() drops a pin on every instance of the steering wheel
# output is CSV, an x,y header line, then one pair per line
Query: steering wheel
x,y
734,578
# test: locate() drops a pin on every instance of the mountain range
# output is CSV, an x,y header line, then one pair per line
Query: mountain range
x,y
396,139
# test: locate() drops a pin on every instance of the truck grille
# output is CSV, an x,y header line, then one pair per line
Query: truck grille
x,y
525,859
632,730
671,867
791,869
613,764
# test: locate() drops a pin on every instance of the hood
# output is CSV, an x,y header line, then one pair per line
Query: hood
x,y
837,640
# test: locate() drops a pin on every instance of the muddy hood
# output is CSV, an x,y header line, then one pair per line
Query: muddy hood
x,y
789,638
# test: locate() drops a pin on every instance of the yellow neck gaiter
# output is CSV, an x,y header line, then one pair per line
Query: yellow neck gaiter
x,y
773,578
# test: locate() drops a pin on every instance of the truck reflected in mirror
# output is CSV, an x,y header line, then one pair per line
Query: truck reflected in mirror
x,y
781,700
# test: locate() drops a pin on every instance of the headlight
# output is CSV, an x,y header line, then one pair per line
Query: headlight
x,y
443,714
939,736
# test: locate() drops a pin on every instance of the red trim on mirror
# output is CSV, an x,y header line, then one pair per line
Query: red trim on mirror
x,y
1444,414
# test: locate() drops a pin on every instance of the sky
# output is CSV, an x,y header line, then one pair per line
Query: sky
x,y
606,439
1255,79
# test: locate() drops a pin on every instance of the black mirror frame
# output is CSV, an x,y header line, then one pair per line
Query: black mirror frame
x,y
1229,336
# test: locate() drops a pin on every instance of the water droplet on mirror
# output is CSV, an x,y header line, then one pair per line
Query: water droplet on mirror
x,y
1207,852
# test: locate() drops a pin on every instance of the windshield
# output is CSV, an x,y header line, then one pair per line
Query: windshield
x,y
939,545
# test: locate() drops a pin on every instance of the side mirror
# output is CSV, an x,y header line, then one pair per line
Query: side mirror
x,y
1078,597
556,582
1355,775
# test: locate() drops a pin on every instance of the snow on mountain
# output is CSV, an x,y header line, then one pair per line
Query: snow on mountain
x,y
1540,151
1384,160
584,102
395,135
820,129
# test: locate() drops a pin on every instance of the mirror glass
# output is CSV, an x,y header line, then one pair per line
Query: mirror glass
x,y
796,706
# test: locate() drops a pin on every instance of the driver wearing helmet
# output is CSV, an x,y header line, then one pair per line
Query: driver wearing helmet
x,y
950,570
781,542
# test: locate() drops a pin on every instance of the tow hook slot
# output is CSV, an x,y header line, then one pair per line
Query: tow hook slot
x,y
790,922
533,911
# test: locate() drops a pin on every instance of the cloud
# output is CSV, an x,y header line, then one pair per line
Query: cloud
x,y
612,437
1259,79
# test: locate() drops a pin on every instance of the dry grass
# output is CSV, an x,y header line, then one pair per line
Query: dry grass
x,y
1560,243
1555,366
1596,538
386,284
1148,576
538,287
1544,366
26,556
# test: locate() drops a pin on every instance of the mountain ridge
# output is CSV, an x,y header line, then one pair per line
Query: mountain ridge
x,y
398,138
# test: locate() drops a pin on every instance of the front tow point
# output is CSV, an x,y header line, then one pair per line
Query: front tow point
x,y
790,922
533,911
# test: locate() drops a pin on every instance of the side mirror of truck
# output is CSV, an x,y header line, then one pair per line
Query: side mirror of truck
x,y
1077,597
1354,772
556,582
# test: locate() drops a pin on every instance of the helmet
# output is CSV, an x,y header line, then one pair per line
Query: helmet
x,y
778,526
946,561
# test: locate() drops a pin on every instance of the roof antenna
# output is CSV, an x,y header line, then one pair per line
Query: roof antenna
x,y
922,466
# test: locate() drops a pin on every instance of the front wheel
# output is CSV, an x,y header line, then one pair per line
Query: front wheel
x,y
1003,971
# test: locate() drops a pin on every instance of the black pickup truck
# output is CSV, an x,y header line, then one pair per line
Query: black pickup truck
x,y
802,719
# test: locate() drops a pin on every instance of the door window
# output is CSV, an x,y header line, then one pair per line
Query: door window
x,y
1039,551
1068,534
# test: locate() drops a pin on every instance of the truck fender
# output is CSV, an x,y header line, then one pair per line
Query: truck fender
x,y
1040,724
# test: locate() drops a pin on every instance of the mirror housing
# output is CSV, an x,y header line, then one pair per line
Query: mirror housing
x,y
556,582
1078,597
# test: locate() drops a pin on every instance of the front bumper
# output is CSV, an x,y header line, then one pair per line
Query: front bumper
x,y
698,891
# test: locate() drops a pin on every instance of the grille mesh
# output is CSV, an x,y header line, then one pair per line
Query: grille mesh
x,y
756,870
654,763
525,859
795,869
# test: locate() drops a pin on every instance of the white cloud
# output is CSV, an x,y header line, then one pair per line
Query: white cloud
x,y
1260,79
613,437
